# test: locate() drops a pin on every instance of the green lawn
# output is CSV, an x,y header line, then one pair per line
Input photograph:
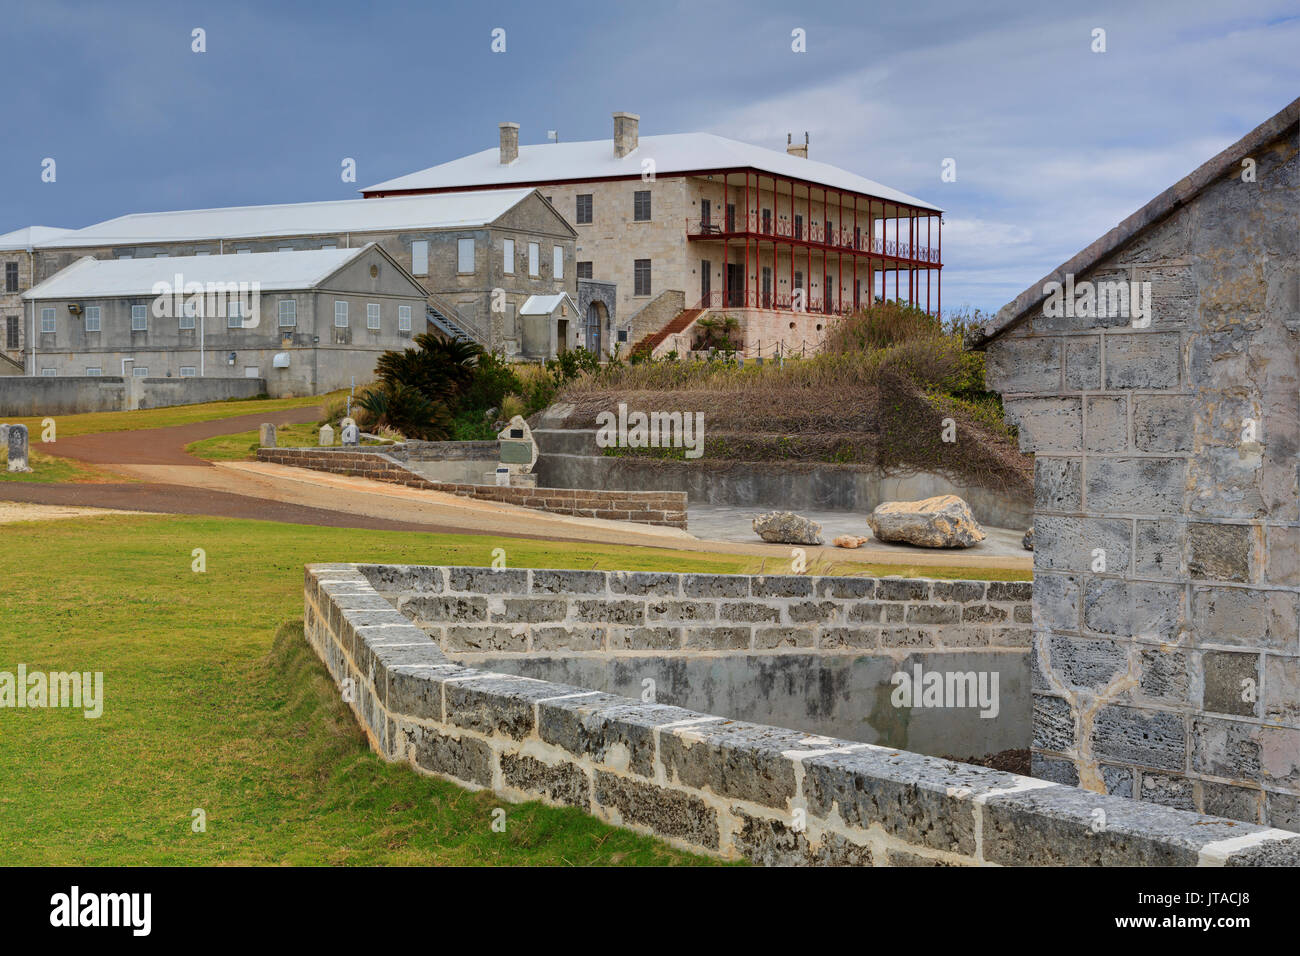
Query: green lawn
x,y
213,700
243,446
95,422
48,469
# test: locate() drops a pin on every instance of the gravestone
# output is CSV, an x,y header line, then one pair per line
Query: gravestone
x,y
326,436
351,435
17,445
266,435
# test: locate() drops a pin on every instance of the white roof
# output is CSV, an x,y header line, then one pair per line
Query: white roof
x,y
29,236
441,211
545,304
672,153
272,271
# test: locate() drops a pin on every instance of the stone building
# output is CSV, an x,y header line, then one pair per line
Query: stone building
x,y
18,260
306,322
1166,434
686,223
478,255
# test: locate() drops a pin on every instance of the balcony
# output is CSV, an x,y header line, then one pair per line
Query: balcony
x,y
816,235
776,301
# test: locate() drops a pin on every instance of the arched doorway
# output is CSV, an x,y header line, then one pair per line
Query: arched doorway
x,y
595,322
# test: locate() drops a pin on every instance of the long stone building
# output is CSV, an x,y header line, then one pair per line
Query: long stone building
x,y
480,257
691,222
1156,378
304,322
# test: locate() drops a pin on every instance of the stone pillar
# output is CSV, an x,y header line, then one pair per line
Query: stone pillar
x,y
1167,512
326,436
18,449
266,436
351,434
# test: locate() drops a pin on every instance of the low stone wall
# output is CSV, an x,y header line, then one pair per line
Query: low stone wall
x,y
720,786
646,507
570,456
76,394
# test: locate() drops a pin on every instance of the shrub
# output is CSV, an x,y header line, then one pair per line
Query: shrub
x,y
407,410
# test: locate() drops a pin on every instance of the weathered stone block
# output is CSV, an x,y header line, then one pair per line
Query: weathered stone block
x,y
464,758
609,612
1220,552
487,580
748,612
1159,552
715,585
1245,617
1024,365
644,583
1131,735
717,638
1082,364
569,582
1143,486
1106,423
564,783
1053,724
1162,423
1281,698
1058,485
772,842
1047,425
1231,684
669,813
1145,360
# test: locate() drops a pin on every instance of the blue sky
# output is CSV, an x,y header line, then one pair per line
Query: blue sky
x,y
1053,143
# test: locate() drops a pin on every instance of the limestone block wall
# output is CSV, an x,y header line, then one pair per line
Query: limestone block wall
x,y
719,786
1167,569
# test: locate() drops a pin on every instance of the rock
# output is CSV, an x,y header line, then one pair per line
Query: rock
x,y
944,521
1027,542
849,541
786,527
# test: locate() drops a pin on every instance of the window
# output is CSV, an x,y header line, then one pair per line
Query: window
x,y
372,315
11,277
340,315
584,209
584,270
508,257
534,254
285,249
557,262
139,318
203,253
92,318
329,245
464,255
622,335
160,255
140,371
11,332
126,255
403,318
251,371
420,257
47,320
767,220
94,370
641,277
49,372
188,371
243,252
188,313
798,227
730,220
798,280
234,315
288,313
641,205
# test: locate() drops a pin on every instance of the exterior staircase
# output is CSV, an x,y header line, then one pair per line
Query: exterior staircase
x,y
11,366
449,327
652,341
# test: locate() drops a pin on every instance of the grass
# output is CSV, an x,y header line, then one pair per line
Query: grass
x,y
243,446
47,469
97,422
214,701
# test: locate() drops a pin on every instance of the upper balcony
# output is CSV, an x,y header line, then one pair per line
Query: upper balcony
x,y
816,235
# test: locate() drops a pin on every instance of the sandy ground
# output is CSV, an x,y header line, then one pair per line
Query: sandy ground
x,y
11,511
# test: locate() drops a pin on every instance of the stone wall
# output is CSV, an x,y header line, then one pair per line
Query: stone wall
x,y
1167,562
75,394
647,507
718,786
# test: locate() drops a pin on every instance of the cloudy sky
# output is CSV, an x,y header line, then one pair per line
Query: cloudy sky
x,y
1053,143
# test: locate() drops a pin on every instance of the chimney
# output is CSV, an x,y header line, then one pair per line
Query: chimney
x,y
509,142
625,133
800,150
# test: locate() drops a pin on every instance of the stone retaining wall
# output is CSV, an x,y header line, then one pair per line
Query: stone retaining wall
x,y
647,507
720,786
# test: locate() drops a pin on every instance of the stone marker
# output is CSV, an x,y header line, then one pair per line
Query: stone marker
x,y
266,435
1027,542
4,436
17,445
518,453
944,521
351,436
786,527
326,436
